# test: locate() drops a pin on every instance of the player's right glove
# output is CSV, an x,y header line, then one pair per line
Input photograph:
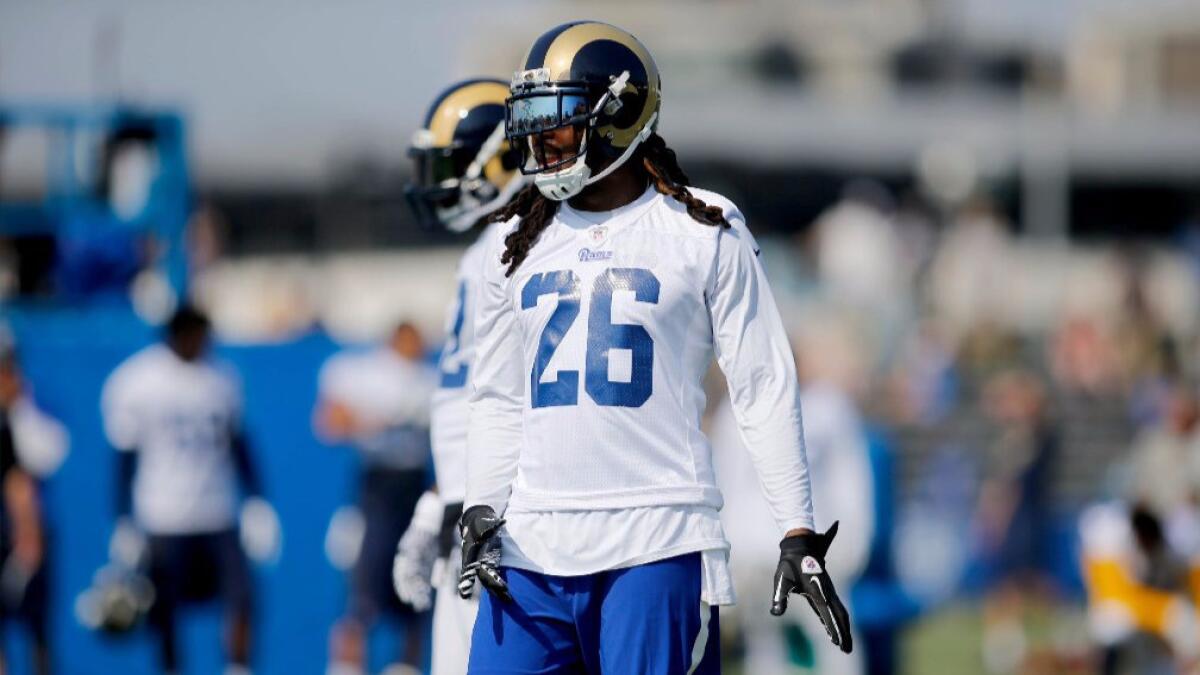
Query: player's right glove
x,y
412,569
480,529
801,570
259,531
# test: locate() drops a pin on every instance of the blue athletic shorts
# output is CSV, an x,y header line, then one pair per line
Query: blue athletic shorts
x,y
644,620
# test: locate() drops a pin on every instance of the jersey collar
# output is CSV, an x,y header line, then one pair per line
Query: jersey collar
x,y
584,220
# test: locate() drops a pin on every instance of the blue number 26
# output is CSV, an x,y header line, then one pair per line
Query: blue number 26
x,y
603,336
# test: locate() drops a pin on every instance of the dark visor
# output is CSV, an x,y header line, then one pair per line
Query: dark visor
x,y
533,114
434,166
545,110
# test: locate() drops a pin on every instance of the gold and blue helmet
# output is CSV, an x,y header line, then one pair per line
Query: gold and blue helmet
x,y
594,78
463,166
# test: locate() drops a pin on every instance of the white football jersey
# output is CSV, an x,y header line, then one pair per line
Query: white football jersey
x,y
450,409
389,396
588,384
179,417
41,441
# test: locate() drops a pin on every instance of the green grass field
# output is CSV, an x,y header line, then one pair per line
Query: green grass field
x,y
949,642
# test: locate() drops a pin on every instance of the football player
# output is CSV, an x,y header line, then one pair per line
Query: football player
x,y
591,513
22,534
378,401
33,446
174,415
464,168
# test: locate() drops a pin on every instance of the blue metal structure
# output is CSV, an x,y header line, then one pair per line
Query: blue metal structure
x,y
76,135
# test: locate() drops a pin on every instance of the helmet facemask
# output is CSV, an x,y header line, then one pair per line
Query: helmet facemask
x,y
449,186
538,108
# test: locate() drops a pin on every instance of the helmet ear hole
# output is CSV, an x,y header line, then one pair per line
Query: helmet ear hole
x,y
629,111
461,159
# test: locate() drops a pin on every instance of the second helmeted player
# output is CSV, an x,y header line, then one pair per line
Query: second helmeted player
x,y
461,143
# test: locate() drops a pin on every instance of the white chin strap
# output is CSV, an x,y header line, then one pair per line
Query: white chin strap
x,y
466,219
462,216
562,185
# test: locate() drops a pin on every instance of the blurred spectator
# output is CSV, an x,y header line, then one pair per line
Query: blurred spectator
x,y
174,415
924,383
41,441
1165,460
1148,355
1161,569
1083,357
859,255
987,348
1013,517
379,401
862,263
970,276
1138,607
28,438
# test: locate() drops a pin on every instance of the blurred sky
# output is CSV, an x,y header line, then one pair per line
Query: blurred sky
x,y
272,87
276,89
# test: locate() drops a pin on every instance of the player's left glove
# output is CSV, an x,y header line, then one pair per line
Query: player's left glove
x,y
480,528
127,545
802,570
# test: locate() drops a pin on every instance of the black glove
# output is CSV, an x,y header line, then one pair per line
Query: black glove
x,y
480,528
802,570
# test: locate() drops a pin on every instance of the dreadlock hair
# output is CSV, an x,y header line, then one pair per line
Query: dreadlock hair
x,y
536,211
669,179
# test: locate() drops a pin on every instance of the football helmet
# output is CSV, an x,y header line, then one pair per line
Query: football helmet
x,y
463,166
590,76
117,601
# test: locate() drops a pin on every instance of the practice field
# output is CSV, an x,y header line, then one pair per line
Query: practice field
x,y
950,642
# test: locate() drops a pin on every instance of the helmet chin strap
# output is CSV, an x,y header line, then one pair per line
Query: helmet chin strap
x,y
637,140
562,185
470,208
463,221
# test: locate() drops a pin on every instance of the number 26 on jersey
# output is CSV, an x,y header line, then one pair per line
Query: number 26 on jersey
x,y
602,336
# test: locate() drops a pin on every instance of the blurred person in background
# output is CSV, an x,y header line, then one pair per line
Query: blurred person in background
x,y
1142,594
464,169
1013,513
1164,471
42,441
32,446
969,275
174,415
858,249
1084,360
591,516
379,401
862,263
923,384
842,481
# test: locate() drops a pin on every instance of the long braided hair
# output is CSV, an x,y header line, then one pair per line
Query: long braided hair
x,y
536,211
